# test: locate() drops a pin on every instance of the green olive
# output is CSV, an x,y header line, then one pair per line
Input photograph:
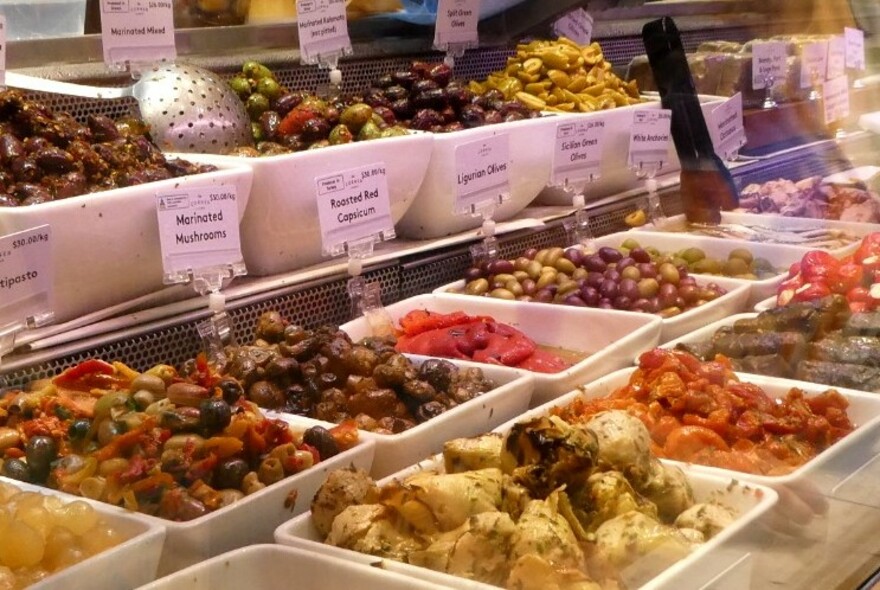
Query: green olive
x,y
534,269
257,132
521,263
707,266
567,287
648,288
736,266
631,272
477,287
742,254
541,256
356,116
553,255
545,279
502,294
394,131
520,275
692,255
630,244
340,134
668,273
565,265
256,105
255,70
241,86
269,87
369,131
514,287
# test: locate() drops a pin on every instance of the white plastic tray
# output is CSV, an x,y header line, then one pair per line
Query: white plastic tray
x,y
733,301
706,567
780,256
766,304
610,338
139,553
275,567
485,412
531,153
822,473
280,230
676,223
615,177
105,245
705,333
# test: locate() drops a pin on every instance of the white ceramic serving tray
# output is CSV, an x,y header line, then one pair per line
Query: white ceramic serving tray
x,y
615,176
276,567
609,338
531,151
280,230
780,256
105,245
716,561
676,224
133,562
483,413
705,333
733,301
822,473
765,304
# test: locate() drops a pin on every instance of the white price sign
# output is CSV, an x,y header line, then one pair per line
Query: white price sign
x,y
198,228
353,205
836,99
323,29
577,25
768,63
456,23
836,58
482,173
2,50
855,48
137,31
814,58
26,274
577,155
726,127
649,139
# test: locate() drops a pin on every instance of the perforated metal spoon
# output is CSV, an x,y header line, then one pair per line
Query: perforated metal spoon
x,y
189,109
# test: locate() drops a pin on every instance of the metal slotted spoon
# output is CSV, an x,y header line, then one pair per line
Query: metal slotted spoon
x,y
189,109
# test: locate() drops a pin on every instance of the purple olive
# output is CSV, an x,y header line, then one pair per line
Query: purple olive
x,y
454,126
647,270
608,289
641,304
529,287
605,303
594,279
574,300
497,267
624,262
612,275
543,295
386,114
667,295
590,295
473,274
610,255
687,281
530,253
628,288
640,255
575,255
595,263
622,302
441,74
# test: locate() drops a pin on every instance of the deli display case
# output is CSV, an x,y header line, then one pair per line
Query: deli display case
x,y
587,298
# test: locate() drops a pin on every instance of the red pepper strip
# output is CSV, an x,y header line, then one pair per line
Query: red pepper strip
x,y
122,442
868,248
419,321
848,276
83,369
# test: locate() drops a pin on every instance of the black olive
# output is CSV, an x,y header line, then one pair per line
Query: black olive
x,y
404,78
395,93
40,451
215,414
384,82
439,373
472,116
425,119
10,148
230,474
403,108
430,99
493,95
265,394
287,103
320,438
441,74
374,98
8,200
16,469
514,116
25,169
78,429
385,113
315,129
493,118
231,390
423,85
269,122
429,410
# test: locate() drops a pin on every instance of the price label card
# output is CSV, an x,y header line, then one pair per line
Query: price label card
x,y
456,23
836,99
2,50
353,205
198,228
482,173
726,127
855,48
814,63
577,25
578,152
649,139
323,29
137,31
26,274
836,58
768,63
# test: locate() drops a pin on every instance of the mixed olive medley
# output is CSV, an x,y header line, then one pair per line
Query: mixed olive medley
x,y
47,155
158,442
283,121
322,374
611,278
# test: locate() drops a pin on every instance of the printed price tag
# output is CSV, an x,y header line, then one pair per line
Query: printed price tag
x,y
768,63
353,205
814,62
482,173
577,25
2,50
456,23
26,275
323,29
578,152
198,228
137,31
726,127
836,58
649,139
855,48
836,99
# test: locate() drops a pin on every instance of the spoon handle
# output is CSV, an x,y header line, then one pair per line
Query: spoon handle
x,y
25,82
